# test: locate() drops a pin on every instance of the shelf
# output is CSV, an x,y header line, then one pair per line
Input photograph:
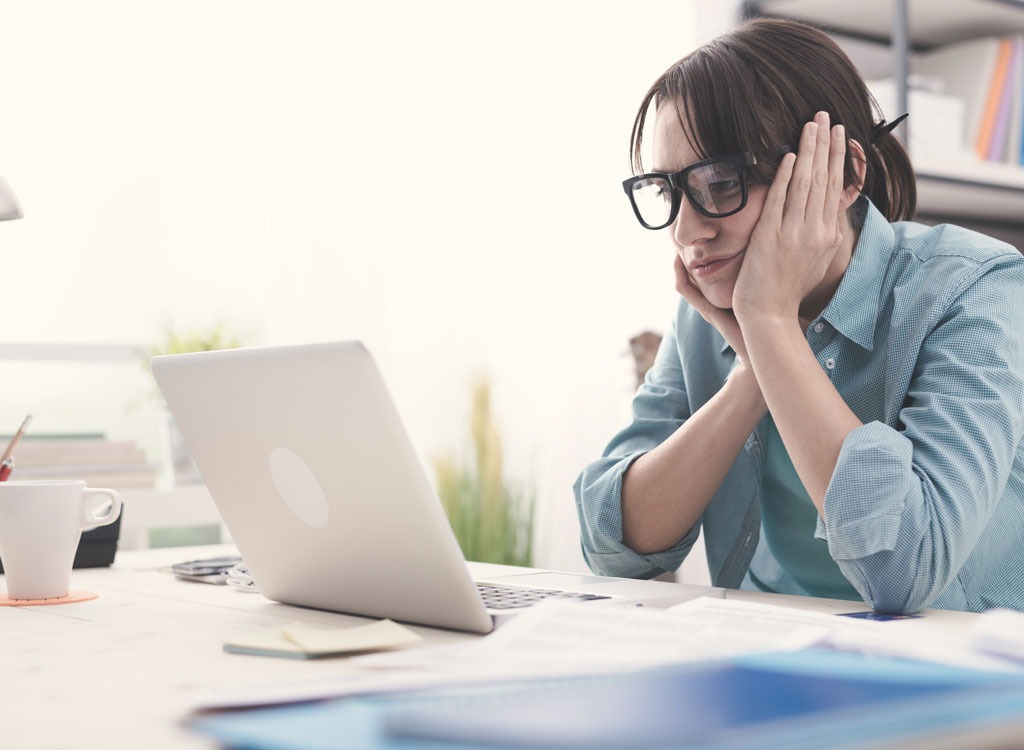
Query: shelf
x,y
939,195
970,189
932,23
953,186
70,352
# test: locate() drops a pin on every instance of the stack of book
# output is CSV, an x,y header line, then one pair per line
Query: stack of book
x,y
90,457
988,75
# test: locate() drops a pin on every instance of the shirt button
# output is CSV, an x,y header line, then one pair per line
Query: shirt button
x,y
819,327
830,363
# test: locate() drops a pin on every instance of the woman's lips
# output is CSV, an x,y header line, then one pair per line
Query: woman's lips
x,y
707,268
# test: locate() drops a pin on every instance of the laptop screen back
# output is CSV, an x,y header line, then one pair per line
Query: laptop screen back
x,y
318,483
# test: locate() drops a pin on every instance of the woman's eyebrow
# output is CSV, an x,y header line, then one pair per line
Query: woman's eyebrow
x,y
655,168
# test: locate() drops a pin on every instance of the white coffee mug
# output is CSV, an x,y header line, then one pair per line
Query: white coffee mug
x,y
41,523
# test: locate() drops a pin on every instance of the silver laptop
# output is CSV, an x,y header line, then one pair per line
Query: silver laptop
x,y
315,477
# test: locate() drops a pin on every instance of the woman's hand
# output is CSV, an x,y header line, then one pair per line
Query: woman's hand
x,y
798,234
724,321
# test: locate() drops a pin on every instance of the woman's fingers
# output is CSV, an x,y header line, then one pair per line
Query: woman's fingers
x,y
821,164
775,202
723,321
689,291
797,233
686,288
812,184
836,174
801,182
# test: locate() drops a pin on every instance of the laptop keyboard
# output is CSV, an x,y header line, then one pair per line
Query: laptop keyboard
x,y
510,597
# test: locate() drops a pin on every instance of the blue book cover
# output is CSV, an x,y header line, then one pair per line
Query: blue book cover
x,y
787,701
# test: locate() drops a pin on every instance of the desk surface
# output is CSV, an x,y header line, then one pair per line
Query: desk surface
x,y
119,671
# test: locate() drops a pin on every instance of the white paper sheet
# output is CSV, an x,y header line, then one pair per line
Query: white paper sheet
x,y
571,638
1000,632
557,638
551,638
580,636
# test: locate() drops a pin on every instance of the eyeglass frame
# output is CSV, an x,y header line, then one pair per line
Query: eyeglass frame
x,y
677,181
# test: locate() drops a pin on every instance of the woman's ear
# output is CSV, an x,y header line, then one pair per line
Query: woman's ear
x,y
859,160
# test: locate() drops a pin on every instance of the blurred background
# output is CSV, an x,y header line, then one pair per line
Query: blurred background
x,y
438,179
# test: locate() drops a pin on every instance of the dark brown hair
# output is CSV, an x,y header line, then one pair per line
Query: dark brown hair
x,y
754,88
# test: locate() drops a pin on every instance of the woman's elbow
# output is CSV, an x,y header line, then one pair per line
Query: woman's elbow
x,y
901,592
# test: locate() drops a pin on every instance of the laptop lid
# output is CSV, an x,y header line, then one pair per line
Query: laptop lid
x,y
317,481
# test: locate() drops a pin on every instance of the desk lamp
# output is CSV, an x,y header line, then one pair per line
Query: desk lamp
x,y
9,208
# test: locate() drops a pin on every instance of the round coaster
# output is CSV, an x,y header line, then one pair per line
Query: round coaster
x,y
70,598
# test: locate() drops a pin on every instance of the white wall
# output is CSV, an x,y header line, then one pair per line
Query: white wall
x,y
439,179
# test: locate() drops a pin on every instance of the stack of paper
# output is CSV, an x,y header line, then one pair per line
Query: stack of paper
x,y
91,457
708,673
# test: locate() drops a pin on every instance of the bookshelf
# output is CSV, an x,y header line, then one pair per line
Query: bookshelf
x,y
884,33
932,22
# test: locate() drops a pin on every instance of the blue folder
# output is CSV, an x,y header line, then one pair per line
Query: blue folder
x,y
787,701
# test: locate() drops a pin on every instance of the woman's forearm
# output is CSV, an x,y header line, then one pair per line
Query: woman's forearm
x,y
810,414
666,490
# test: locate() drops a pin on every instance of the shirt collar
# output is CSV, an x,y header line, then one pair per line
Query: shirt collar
x,y
853,310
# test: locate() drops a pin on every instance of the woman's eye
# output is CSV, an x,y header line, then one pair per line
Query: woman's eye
x,y
725,187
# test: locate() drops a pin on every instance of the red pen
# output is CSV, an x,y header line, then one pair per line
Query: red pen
x,y
7,460
9,450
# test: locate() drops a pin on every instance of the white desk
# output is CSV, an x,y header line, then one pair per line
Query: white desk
x,y
118,671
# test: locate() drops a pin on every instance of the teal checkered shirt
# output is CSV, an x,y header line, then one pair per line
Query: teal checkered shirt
x,y
924,339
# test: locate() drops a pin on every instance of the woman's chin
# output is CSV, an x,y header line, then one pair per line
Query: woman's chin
x,y
720,298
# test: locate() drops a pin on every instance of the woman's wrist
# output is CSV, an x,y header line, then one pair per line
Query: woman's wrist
x,y
743,384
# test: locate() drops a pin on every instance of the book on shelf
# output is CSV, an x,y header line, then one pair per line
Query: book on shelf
x,y
987,130
90,457
987,75
1015,137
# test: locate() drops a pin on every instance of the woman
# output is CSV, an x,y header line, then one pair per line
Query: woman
x,y
839,401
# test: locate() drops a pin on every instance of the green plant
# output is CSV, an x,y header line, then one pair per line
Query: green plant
x,y
216,336
492,520
196,340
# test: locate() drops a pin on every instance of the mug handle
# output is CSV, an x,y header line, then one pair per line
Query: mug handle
x,y
93,499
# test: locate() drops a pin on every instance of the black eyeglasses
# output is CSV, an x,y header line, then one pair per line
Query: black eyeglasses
x,y
716,187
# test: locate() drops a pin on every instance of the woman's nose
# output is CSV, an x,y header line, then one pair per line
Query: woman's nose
x,y
691,227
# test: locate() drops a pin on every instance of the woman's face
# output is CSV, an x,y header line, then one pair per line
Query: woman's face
x,y
712,250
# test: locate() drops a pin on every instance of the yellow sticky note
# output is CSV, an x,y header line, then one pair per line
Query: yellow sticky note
x,y
299,640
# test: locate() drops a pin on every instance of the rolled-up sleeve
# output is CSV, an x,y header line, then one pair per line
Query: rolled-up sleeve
x,y
598,493
908,502
659,408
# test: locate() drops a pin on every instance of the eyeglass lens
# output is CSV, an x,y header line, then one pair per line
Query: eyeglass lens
x,y
652,197
717,188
